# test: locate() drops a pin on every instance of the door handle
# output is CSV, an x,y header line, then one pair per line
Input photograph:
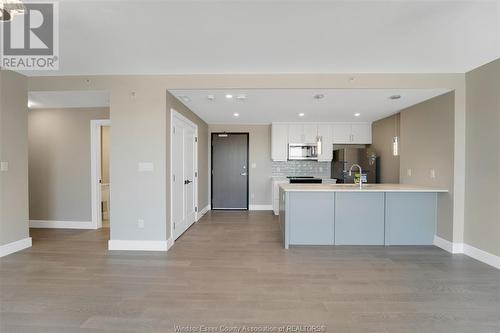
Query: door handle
x,y
243,174
187,181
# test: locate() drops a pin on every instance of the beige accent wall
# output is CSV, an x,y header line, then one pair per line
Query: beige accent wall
x,y
139,117
14,150
259,154
427,142
105,154
482,196
383,131
59,163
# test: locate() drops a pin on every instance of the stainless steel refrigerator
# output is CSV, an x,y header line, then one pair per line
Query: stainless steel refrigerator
x,y
344,158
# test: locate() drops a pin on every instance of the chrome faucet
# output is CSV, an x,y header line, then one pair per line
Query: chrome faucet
x,y
360,174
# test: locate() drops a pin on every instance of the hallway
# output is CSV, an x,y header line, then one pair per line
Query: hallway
x,y
231,269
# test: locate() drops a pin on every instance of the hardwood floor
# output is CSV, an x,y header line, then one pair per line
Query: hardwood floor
x,y
230,269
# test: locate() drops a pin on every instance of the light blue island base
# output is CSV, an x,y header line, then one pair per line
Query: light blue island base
x,y
357,218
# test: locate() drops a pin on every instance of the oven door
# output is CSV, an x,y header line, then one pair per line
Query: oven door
x,y
302,152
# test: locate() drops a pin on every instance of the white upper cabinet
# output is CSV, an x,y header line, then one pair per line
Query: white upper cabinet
x,y
279,142
341,133
310,133
295,133
326,134
356,133
330,133
302,133
361,133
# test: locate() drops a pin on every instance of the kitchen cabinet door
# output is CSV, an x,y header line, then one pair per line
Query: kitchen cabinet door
x,y
295,133
279,142
310,133
341,133
361,133
325,132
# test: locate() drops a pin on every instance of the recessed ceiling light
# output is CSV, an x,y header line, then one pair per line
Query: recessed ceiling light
x,y
229,96
357,114
236,114
302,114
241,97
319,96
395,97
184,98
211,97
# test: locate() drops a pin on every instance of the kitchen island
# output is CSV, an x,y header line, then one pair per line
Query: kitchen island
x,y
344,214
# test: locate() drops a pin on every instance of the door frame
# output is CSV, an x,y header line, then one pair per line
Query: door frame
x,y
175,114
95,170
212,168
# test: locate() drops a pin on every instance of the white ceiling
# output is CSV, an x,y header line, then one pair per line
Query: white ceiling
x,y
67,99
296,36
284,105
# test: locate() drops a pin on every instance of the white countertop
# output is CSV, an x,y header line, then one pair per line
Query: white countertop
x,y
355,188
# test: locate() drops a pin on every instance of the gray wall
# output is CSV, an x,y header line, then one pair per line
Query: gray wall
x,y
383,131
482,196
260,155
14,150
59,163
427,142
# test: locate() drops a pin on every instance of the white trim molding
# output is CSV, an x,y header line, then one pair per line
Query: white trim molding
x,y
260,207
139,245
95,169
15,246
202,212
468,250
482,256
447,245
62,224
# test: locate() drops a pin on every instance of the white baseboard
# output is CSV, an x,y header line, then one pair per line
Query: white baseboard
x,y
468,250
15,246
482,256
170,242
62,224
202,212
138,245
447,245
260,207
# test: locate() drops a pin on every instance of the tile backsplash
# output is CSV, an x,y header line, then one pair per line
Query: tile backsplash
x,y
302,168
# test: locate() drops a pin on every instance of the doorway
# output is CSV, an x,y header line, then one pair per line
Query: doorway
x,y
184,173
99,159
229,185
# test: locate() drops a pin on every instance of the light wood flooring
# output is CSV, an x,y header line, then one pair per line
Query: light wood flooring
x,y
230,269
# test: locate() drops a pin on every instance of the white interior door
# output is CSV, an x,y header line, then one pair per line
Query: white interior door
x,y
183,175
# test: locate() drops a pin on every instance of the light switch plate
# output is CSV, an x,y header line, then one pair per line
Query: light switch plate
x,y
140,223
4,166
254,165
409,172
145,167
433,173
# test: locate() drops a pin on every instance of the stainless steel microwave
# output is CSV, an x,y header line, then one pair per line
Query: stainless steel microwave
x,y
302,151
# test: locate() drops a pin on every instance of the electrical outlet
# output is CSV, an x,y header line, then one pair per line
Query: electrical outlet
x,y
433,174
409,172
140,224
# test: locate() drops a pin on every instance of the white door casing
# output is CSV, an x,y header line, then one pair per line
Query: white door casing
x,y
183,178
95,169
